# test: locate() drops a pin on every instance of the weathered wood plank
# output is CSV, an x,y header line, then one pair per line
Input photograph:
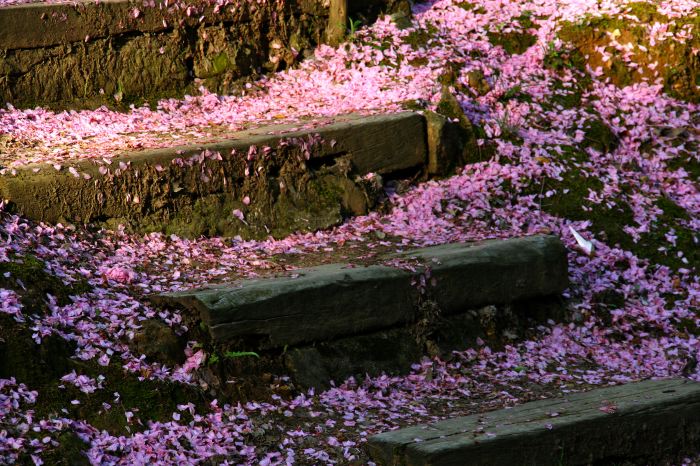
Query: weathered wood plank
x,y
34,25
337,21
321,303
495,272
381,143
649,419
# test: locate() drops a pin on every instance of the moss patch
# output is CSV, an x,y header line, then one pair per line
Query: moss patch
x,y
514,43
558,59
40,367
599,136
569,201
28,276
567,96
673,61
645,11
419,38
69,452
473,7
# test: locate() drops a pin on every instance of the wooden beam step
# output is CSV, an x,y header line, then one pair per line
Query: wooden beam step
x,y
637,423
325,302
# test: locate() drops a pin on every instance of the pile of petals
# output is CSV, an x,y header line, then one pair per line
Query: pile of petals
x,y
377,72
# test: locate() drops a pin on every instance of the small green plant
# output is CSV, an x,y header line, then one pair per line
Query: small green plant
x,y
119,95
498,27
509,130
240,354
353,26
215,358
552,56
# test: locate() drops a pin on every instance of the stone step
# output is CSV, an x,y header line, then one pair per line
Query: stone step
x,y
82,54
326,302
312,177
650,420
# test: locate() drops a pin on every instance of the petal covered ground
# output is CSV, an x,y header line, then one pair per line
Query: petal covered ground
x,y
571,151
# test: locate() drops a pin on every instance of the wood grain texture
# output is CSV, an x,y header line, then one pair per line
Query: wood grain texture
x,y
321,303
495,271
337,21
646,420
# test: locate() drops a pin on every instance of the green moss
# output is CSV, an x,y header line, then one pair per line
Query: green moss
x,y
220,63
646,12
420,37
69,452
599,136
567,97
593,26
516,93
330,194
418,62
672,211
525,20
35,282
569,201
687,240
514,43
417,38
688,162
689,326
610,298
561,59
679,66
682,76
449,106
451,74
40,367
468,6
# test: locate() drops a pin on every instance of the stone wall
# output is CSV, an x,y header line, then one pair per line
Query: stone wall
x,y
121,52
